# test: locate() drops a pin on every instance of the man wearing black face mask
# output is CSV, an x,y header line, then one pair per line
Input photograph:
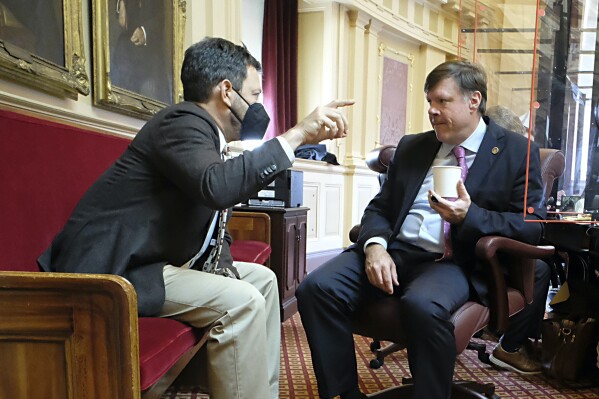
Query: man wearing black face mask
x,y
254,123
154,216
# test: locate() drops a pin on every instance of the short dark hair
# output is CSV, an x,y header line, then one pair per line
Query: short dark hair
x,y
209,62
469,78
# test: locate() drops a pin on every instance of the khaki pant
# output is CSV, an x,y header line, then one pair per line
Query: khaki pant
x,y
245,334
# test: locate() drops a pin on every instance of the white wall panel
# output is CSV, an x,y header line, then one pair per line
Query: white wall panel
x,y
311,195
364,196
333,205
330,201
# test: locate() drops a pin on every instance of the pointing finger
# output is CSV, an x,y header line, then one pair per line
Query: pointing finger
x,y
340,103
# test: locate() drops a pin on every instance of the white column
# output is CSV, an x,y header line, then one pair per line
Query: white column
x,y
372,95
355,86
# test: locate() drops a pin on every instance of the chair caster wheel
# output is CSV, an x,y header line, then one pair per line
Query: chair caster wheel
x,y
375,346
376,363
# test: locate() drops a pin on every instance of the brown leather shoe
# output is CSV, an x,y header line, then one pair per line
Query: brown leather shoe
x,y
516,361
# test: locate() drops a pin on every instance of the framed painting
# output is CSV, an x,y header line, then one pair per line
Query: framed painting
x,y
137,53
41,45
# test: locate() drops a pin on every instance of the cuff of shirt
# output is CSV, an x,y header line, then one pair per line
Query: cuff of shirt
x,y
287,148
376,240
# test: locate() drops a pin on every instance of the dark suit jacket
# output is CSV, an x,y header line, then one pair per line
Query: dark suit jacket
x,y
496,183
154,205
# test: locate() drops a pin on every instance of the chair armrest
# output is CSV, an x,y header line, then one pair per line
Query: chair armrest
x,y
379,158
70,333
502,254
354,233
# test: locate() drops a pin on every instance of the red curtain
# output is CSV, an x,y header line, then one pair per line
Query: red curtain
x,y
279,64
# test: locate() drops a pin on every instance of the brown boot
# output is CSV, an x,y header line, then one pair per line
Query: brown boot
x,y
518,361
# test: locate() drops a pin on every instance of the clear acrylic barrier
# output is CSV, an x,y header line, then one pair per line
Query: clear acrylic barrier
x,y
540,62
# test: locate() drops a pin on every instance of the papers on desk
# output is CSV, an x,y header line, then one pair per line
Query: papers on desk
x,y
583,217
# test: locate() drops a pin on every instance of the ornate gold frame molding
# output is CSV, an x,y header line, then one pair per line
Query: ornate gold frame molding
x,y
109,96
69,81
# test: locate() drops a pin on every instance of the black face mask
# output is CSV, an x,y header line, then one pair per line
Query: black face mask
x,y
254,123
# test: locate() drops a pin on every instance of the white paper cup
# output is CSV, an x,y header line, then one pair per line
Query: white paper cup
x,y
445,180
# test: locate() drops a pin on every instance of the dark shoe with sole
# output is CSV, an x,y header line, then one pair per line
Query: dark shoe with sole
x,y
518,361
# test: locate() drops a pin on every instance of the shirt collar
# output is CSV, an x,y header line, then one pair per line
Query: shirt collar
x,y
472,143
222,141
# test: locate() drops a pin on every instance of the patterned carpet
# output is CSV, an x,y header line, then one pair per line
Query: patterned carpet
x,y
298,381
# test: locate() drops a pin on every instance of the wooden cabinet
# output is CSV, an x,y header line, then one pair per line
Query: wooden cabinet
x,y
288,258
291,255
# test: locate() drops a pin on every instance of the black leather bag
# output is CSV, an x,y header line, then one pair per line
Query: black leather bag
x,y
568,347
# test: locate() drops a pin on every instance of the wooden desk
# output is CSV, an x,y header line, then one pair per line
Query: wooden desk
x,y
569,236
288,258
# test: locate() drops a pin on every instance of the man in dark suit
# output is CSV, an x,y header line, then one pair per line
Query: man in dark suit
x,y
151,217
401,248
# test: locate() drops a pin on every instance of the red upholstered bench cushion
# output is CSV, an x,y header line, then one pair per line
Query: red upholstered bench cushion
x,y
161,343
45,167
250,251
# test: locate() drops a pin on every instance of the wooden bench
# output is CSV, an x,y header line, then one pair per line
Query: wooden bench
x,y
73,335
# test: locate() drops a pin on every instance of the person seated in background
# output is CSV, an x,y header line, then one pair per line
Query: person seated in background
x,y
157,216
402,248
506,118
515,350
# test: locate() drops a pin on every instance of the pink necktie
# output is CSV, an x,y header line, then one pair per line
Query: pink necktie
x,y
460,153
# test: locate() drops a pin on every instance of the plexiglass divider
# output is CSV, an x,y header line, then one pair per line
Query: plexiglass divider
x,y
540,62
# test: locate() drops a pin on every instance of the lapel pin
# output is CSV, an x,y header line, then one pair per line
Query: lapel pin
x,y
495,150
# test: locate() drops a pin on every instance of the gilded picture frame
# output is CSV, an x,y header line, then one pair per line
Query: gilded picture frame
x,y
137,54
41,46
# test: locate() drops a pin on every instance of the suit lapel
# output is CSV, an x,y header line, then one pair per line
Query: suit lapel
x,y
416,164
422,158
490,148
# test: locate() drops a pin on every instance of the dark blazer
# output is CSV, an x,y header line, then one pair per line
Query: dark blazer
x,y
496,183
153,206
